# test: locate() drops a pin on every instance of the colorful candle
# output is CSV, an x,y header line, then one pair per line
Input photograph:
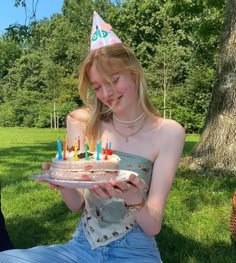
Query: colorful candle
x,y
64,149
76,151
59,149
109,145
98,151
100,146
92,145
67,141
78,143
86,151
106,151
109,148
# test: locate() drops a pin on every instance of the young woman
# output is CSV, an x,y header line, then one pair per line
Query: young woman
x,y
120,218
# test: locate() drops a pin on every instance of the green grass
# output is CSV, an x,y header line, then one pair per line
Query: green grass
x,y
191,140
34,214
196,221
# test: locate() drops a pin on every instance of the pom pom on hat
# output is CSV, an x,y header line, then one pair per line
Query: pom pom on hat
x,y
102,34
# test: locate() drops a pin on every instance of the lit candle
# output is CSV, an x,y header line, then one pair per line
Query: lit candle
x,y
92,145
67,141
106,151
109,148
98,151
100,146
59,150
76,151
78,143
86,151
64,149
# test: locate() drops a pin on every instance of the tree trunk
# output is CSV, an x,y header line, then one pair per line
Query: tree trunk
x,y
216,149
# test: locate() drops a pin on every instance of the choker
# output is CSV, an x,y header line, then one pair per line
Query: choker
x,y
129,122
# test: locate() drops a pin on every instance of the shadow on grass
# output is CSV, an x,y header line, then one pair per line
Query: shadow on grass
x,y
18,163
188,146
41,228
176,248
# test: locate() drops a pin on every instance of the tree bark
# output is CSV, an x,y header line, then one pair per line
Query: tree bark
x,y
216,149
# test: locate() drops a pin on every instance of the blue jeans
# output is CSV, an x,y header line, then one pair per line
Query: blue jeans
x,y
135,247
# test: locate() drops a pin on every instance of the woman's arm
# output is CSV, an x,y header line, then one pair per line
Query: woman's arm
x,y
172,138
73,198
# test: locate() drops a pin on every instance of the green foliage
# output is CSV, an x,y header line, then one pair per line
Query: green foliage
x,y
176,42
23,114
7,114
10,51
190,101
60,41
18,33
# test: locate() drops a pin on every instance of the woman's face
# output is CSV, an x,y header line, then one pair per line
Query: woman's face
x,y
120,98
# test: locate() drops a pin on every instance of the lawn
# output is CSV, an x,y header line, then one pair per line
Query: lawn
x,y
196,221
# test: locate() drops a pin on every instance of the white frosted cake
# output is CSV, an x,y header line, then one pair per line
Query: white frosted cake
x,y
85,167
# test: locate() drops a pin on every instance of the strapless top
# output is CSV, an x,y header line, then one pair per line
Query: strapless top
x,y
106,220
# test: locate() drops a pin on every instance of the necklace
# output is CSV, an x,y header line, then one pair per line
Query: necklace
x,y
132,126
129,122
126,137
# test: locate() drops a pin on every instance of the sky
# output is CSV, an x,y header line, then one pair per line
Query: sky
x,y
9,14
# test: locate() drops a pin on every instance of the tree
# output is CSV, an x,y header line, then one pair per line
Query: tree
x,y
30,12
10,51
168,67
175,41
216,148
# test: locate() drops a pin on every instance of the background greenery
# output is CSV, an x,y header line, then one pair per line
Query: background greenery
x,y
176,42
196,222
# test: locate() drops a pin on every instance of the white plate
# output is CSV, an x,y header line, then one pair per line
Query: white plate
x,y
122,176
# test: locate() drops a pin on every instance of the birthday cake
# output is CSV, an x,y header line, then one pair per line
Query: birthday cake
x,y
84,167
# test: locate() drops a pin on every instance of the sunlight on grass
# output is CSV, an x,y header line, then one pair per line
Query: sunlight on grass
x,y
195,225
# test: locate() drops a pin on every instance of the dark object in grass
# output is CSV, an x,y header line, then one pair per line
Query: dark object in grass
x,y
233,218
5,241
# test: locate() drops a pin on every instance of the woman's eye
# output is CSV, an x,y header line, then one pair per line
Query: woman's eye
x,y
97,88
116,80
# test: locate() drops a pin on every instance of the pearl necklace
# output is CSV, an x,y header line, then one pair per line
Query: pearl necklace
x,y
129,122
126,137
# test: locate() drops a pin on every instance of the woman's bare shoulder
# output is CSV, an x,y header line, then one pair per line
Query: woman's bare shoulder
x,y
81,115
172,127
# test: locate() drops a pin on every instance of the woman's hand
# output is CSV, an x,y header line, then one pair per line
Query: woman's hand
x,y
130,191
46,166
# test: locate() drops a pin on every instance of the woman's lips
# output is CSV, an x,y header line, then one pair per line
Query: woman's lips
x,y
112,103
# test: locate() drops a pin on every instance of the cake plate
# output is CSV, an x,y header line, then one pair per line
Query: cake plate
x,y
123,175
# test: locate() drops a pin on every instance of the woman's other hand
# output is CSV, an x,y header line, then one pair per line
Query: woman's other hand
x,y
130,191
46,166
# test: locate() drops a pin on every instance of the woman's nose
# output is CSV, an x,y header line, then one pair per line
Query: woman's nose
x,y
107,91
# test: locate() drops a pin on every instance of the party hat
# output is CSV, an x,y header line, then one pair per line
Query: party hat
x,y
102,34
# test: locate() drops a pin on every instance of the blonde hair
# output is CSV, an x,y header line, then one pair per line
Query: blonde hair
x,y
110,60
